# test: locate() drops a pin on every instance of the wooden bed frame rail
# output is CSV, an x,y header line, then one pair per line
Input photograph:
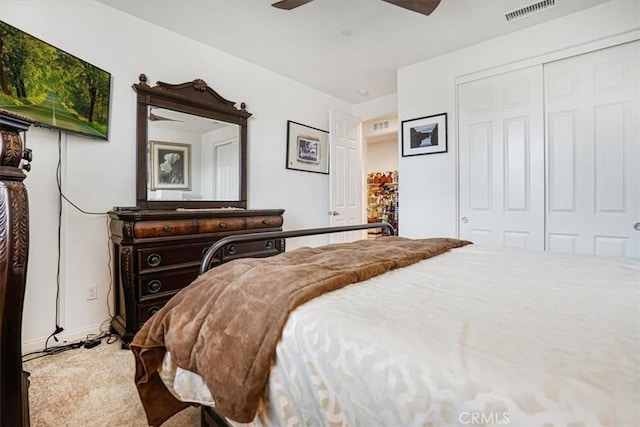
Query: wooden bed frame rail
x,y
210,254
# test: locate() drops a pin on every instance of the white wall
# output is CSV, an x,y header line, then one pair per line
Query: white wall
x,y
382,156
379,107
429,198
100,175
380,145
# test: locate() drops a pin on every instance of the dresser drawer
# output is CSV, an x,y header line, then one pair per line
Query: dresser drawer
x,y
147,229
257,222
150,259
147,309
218,225
157,285
260,249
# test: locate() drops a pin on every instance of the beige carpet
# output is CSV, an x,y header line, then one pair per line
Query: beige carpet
x,y
90,387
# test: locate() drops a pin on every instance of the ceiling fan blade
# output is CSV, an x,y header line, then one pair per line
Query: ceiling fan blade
x,y
425,7
290,4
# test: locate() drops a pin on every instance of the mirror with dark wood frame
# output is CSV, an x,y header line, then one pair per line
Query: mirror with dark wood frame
x,y
191,147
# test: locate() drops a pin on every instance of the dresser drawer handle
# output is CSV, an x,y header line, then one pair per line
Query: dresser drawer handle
x,y
154,260
153,310
223,225
204,250
232,249
268,244
154,286
265,221
166,228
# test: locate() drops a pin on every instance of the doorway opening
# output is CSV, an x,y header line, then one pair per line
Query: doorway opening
x,y
380,137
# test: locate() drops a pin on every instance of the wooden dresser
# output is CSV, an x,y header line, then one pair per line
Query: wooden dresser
x,y
14,254
158,252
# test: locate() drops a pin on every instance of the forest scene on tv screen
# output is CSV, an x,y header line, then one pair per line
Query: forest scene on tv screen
x,y
52,87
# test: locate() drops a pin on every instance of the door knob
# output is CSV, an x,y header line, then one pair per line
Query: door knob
x,y
334,213
637,226
464,220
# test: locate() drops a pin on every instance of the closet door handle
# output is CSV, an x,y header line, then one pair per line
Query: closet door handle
x,y
636,226
464,220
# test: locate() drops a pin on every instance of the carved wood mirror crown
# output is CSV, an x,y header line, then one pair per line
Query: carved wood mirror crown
x,y
191,147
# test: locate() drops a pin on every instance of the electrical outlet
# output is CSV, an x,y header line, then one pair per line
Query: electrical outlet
x,y
92,292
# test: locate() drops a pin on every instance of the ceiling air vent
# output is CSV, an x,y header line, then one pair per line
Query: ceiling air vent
x,y
529,10
381,125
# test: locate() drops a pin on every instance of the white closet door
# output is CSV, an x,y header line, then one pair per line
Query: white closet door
x,y
501,163
593,148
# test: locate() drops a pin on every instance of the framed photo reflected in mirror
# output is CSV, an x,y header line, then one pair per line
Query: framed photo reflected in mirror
x,y
170,165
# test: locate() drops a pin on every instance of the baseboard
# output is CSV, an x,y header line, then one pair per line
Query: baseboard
x,y
63,337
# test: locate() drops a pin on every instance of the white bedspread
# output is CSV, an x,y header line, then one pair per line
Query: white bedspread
x,y
477,336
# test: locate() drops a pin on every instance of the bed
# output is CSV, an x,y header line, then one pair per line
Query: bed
x,y
433,332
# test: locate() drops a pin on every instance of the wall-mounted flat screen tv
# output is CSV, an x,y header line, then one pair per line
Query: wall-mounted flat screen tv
x,y
52,87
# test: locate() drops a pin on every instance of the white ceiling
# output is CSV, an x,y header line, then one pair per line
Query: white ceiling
x,y
340,47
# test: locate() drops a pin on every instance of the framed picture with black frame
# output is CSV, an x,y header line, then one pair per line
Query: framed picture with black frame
x,y
307,148
424,135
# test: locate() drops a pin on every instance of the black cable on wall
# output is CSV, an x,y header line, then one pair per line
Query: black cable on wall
x,y
61,197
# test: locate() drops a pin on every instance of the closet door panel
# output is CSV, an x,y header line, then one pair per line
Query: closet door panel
x,y
561,180
610,180
516,163
479,166
593,147
501,160
561,242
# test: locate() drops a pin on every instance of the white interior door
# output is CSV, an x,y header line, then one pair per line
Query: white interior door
x,y
346,175
594,152
501,160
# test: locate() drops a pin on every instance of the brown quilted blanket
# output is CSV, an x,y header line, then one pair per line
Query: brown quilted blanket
x,y
226,324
